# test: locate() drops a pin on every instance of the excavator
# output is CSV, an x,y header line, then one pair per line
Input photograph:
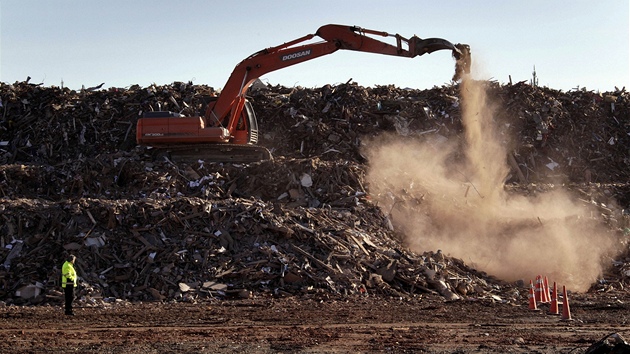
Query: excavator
x,y
228,131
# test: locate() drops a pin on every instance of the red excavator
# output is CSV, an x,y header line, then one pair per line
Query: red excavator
x,y
228,131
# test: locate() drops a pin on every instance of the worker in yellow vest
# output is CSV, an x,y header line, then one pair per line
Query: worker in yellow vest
x,y
69,282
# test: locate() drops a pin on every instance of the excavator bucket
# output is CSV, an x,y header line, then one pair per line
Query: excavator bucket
x,y
461,52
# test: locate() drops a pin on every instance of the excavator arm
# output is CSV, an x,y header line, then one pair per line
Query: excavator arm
x,y
335,37
231,120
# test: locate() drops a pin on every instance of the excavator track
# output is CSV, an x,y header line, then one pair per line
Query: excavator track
x,y
232,153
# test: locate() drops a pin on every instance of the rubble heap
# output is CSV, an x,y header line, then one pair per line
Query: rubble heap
x,y
73,180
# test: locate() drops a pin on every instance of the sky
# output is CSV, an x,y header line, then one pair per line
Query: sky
x,y
577,44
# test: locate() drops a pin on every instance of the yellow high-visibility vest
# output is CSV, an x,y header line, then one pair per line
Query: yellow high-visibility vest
x,y
68,275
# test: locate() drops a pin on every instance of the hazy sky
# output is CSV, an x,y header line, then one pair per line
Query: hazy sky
x,y
577,43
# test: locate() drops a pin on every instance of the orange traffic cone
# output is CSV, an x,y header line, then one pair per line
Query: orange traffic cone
x,y
553,308
532,299
538,290
566,312
546,295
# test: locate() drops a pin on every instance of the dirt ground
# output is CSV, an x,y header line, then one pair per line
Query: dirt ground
x,y
315,325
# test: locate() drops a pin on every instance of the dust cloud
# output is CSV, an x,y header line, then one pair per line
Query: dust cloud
x,y
449,195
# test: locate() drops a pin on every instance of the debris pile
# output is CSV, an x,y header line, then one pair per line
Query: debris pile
x,y
73,180
187,248
580,135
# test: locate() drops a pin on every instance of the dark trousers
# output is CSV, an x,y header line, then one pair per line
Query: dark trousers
x,y
69,294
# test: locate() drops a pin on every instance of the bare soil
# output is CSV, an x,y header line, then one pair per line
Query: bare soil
x,y
316,325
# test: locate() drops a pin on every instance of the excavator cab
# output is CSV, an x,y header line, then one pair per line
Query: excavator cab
x,y
197,141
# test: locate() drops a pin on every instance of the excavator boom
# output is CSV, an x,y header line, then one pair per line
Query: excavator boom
x,y
230,120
